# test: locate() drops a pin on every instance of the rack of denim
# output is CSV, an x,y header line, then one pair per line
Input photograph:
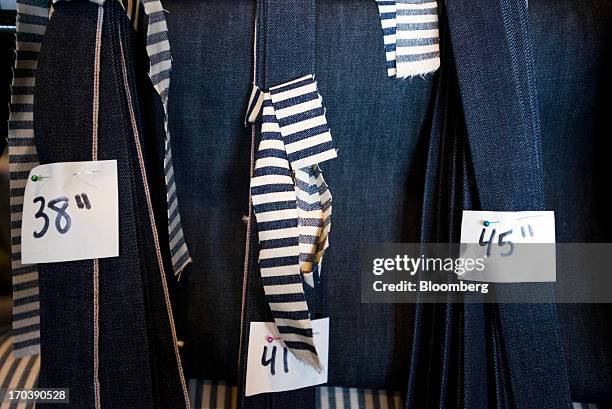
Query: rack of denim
x,y
467,330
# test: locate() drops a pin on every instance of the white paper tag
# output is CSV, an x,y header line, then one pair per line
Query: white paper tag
x,y
272,368
518,227
515,247
70,212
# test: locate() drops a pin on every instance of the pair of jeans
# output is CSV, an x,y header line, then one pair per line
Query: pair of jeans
x,y
138,366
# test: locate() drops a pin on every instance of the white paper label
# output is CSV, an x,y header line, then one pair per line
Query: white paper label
x,y
271,367
515,247
517,227
70,212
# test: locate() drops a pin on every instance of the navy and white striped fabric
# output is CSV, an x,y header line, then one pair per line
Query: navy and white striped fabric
x,y
254,106
301,117
16,373
292,206
411,36
206,394
314,218
158,50
32,20
388,13
353,398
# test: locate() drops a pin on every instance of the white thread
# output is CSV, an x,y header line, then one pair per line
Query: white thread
x,y
96,262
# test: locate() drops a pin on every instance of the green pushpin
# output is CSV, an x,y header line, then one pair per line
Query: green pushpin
x,y
36,178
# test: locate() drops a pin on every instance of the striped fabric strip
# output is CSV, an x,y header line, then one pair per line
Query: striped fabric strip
x,y
218,395
387,10
411,37
204,394
32,19
254,106
158,50
302,122
353,398
18,373
274,198
418,40
314,205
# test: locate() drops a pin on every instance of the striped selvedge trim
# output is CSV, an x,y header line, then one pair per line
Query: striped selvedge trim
x,y
353,398
292,206
218,395
254,105
207,394
388,11
411,37
274,198
314,204
17,373
301,118
158,50
32,20
418,40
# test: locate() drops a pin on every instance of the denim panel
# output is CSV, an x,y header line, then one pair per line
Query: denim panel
x,y
66,289
378,124
502,120
378,137
212,64
572,69
137,363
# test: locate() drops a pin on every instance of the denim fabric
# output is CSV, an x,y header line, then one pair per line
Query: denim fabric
x,y
504,137
138,368
381,128
211,76
376,123
572,69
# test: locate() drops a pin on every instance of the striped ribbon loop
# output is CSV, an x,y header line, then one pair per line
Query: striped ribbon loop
x,y
275,206
411,37
292,206
158,50
32,20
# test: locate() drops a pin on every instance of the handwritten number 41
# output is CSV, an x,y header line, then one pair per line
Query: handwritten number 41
x,y
59,205
272,360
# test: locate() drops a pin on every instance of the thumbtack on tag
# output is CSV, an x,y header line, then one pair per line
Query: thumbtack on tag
x,y
36,178
487,223
270,338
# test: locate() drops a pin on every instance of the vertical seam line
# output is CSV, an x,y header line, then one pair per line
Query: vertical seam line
x,y
96,262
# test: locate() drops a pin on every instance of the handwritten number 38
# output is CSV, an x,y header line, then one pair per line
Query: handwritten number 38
x,y
62,218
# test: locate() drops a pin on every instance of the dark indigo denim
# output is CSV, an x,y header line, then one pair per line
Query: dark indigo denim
x,y
376,124
572,69
388,132
137,361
